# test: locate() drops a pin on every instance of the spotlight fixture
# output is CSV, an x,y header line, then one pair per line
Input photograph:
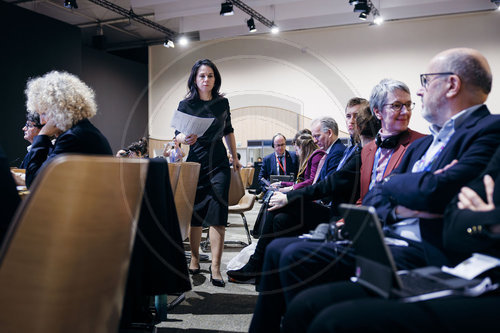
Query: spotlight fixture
x,y
251,25
275,29
183,41
496,2
70,4
363,16
169,43
353,2
226,8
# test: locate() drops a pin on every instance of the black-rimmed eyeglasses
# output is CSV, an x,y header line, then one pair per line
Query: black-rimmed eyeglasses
x,y
397,106
424,78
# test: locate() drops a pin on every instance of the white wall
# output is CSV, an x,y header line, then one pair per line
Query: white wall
x,y
315,72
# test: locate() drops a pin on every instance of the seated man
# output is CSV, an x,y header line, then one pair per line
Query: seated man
x,y
471,224
426,180
281,162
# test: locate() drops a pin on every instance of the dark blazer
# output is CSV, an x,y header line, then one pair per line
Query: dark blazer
x,y
268,167
83,138
368,157
9,199
26,159
457,221
474,142
339,187
332,159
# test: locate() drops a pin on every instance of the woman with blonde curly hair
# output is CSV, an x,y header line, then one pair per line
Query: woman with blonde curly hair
x,y
64,104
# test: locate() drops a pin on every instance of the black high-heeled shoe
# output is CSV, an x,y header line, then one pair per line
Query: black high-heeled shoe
x,y
216,282
194,271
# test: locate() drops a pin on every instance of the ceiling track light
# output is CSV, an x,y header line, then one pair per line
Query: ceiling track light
x,y
70,4
365,7
251,25
226,8
362,7
169,43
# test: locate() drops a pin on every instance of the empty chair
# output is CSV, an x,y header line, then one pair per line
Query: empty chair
x,y
64,261
174,171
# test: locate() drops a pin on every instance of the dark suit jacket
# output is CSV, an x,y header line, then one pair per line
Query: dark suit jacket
x,y
457,221
268,167
332,159
26,160
339,187
9,199
368,157
473,144
83,138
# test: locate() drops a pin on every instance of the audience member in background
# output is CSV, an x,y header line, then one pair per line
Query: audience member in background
x,y
123,153
9,199
325,132
309,157
65,105
174,152
281,162
230,157
390,103
471,224
30,129
291,221
210,207
138,149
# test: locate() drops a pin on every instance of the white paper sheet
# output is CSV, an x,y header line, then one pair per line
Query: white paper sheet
x,y
473,266
188,124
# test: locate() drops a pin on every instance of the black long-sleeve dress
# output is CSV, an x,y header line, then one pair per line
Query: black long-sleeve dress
x,y
210,206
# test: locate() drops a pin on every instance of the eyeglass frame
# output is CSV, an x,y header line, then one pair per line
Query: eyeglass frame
x,y
412,106
423,77
32,125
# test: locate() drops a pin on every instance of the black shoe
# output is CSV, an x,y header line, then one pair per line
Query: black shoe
x,y
194,271
246,274
216,282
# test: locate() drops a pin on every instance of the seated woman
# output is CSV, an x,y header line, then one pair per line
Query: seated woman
x,y
174,152
65,105
310,156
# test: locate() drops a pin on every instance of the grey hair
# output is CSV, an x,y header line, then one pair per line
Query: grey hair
x,y
470,70
379,93
326,124
62,96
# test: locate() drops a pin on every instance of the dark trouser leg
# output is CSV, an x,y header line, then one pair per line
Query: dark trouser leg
x,y
292,220
270,303
308,303
308,263
445,315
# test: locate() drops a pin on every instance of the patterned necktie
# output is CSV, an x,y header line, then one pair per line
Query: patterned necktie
x,y
320,167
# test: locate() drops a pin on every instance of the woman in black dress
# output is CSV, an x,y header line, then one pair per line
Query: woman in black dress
x,y
210,207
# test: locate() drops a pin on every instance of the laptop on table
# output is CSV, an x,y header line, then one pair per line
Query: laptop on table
x,y
376,268
281,178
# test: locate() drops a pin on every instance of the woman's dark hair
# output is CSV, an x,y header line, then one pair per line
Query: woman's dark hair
x,y
368,124
191,84
140,147
34,118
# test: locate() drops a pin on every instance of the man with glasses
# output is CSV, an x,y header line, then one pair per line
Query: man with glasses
x,y
281,162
